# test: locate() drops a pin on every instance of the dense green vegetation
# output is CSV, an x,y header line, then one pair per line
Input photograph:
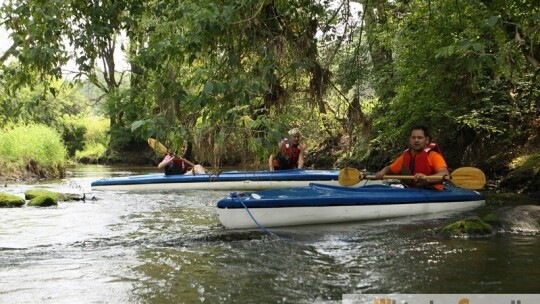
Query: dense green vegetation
x,y
36,113
231,77
95,139
34,148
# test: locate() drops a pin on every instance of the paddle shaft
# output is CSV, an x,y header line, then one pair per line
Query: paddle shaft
x,y
185,160
465,177
409,177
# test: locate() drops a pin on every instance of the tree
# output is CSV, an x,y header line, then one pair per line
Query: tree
x,y
234,75
456,66
197,60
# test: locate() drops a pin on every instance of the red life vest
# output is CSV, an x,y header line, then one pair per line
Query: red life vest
x,y
419,163
435,147
287,159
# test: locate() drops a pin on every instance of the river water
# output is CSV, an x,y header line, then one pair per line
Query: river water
x,y
167,247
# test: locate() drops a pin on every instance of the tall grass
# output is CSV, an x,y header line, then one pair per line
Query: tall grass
x,y
36,148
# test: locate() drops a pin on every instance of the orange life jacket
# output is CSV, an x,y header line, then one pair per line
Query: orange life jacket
x,y
413,164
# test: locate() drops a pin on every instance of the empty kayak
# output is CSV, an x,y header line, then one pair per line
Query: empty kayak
x,y
322,204
232,180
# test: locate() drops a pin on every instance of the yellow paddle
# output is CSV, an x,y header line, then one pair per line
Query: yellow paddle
x,y
465,177
157,146
161,149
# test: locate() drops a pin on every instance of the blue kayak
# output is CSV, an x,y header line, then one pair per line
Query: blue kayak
x,y
318,204
231,180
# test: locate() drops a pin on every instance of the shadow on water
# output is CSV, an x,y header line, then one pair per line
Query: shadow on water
x,y
168,247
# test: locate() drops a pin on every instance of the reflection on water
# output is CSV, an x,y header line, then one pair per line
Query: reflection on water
x,y
167,247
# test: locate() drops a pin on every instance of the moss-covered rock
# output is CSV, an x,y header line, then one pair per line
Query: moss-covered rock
x,y
10,200
493,219
32,193
524,218
43,201
469,227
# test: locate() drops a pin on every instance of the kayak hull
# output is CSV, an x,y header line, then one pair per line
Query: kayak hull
x,y
233,180
320,204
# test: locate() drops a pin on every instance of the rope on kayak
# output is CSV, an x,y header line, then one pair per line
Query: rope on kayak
x,y
281,238
213,175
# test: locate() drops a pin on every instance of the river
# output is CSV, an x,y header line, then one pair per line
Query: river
x,y
167,247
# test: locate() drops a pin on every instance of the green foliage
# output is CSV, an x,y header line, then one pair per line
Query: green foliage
x,y
231,77
194,63
466,69
37,40
73,134
96,129
232,144
36,146
220,64
64,110
95,139
36,104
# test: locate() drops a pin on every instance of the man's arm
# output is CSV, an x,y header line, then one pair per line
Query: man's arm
x,y
271,162
393,168
166,160
442,172
384,171
301,160
303,148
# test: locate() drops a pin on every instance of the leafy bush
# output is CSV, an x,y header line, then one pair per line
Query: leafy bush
x,y
73,133
96,130
95,139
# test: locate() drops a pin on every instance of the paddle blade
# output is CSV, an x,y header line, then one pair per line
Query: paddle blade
x,y
468,178
157,146
349,176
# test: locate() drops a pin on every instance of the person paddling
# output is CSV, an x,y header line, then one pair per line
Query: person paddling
x,y
290,155
422,159
175,165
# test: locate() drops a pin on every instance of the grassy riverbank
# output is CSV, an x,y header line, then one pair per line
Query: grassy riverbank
x,y
31,151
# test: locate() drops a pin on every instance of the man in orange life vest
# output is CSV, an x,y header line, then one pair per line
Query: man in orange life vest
x,y
421,159
290,155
